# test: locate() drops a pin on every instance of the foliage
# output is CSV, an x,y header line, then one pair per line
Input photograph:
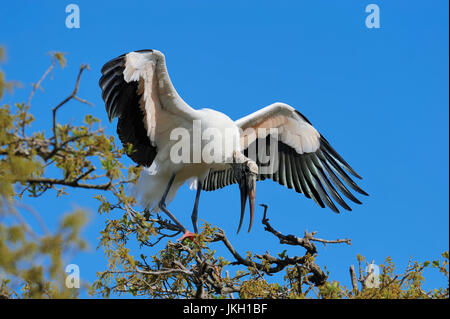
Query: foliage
x,y
82,156
31,258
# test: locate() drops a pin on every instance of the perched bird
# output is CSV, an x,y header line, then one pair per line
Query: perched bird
x,y
170,139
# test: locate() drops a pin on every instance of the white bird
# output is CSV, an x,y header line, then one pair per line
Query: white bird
x,y
137,89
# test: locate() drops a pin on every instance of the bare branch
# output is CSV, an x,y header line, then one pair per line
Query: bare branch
x,y
304,242
354,280
54,181
67,99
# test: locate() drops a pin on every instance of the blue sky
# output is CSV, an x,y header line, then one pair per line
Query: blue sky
x,y
380,96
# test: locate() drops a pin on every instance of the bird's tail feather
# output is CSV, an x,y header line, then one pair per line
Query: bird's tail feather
x,y
150,189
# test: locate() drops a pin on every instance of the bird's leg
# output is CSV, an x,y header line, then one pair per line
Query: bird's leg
x,y
195,210
162,206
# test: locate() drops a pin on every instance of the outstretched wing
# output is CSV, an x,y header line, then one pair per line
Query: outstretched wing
x,y
137,89
304,160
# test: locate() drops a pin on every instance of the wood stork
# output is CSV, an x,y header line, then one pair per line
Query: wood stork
x,y
136,89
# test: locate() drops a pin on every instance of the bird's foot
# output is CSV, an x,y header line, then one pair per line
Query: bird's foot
x,y
187,234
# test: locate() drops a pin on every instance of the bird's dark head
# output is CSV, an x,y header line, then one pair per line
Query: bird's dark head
x,y
245,173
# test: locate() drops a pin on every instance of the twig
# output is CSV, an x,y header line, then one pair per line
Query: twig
x,y
73,95
38,84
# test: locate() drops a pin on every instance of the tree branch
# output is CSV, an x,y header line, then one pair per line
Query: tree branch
x,y
75,183
73,95
304,242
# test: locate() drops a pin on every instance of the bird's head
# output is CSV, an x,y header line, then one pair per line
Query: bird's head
x,y
245,172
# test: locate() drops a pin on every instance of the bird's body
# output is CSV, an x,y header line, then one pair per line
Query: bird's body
x,y
177,143
193,171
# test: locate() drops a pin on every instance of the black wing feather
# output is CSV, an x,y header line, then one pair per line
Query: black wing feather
x,y
318,175
122,101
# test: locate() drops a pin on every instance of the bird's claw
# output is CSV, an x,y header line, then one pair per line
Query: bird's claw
x,y
187,234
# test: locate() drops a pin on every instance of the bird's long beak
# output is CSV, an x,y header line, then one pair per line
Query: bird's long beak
x,y
248,189
251,199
